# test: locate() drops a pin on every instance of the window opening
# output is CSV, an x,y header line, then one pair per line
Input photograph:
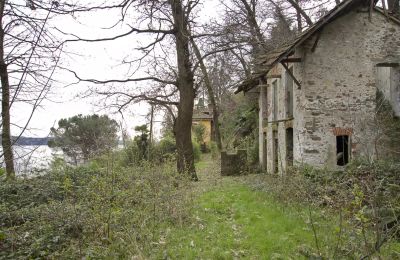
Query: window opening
x,y
289,93
275,99
275,150
342,149
289,147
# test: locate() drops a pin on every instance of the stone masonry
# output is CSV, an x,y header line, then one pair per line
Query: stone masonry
x,y
337,97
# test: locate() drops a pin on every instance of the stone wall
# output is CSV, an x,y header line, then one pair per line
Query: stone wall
x,y
338,90
233,163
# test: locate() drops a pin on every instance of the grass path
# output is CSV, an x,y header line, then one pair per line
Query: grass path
x,y
229,220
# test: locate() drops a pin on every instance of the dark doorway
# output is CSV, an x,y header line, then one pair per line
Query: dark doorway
x,y
342,149
289,147
265,156
275,150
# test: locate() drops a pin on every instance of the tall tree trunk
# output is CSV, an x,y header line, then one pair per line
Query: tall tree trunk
x,y
258,41
211,95
5,104
301,11
183,124
299,24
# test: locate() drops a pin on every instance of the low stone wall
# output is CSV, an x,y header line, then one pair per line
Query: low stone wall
x,y
233,164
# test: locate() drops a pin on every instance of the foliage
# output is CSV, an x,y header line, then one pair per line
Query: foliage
x,y
214,150
199,131
196,151
239,129
165,149
142,141
238,120
364,200
83,137
99,210
232,222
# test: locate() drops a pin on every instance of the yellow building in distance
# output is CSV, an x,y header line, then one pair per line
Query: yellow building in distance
x,y
203,115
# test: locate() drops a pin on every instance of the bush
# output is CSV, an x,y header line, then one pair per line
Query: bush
x,y
196,151
365,197
214,150
199,131
130,154
99,210
166,148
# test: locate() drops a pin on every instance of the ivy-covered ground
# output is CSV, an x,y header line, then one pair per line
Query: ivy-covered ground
x,y
105,210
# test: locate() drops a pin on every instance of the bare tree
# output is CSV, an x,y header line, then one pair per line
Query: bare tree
x,y
211,94
28,55
170,83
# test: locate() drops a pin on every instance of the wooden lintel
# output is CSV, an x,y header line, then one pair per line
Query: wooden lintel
x,y
274,76
291,75
281,120
316,41
291,60
388,64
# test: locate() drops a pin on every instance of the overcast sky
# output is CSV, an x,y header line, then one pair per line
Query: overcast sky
x,y
90,60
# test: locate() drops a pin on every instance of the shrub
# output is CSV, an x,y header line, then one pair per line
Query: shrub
x,y
167,146
99,210
196,151
365,197
199,131
214,150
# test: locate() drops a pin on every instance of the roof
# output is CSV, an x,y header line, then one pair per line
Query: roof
x,y
202,113
267,61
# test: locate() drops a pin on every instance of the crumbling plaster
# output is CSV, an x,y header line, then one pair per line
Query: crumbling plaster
x,y
338,89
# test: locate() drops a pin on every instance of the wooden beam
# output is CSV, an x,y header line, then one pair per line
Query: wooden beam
x,y
281,120
291,75
291,60
316,41
388,64
274,76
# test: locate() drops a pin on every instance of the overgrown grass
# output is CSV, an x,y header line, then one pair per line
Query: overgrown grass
x,y
358,207
235,221
109,210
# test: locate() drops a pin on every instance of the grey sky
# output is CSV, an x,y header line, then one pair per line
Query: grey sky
x,y
91,60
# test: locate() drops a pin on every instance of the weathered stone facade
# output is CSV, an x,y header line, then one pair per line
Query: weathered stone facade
x,y
341,68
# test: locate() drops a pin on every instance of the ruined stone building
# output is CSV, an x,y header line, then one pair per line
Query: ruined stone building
x,y
318,94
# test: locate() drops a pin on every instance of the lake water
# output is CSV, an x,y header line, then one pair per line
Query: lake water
x,y
31,159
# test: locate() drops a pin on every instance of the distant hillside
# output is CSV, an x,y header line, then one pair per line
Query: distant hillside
x,y
34,141
26,141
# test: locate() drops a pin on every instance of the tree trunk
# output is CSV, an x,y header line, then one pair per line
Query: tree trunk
x,y
301,11
185,82
299,24
5,104
211,95
258,41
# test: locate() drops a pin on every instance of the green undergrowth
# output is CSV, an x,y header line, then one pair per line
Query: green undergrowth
x,y
235,221
107,210
101,210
